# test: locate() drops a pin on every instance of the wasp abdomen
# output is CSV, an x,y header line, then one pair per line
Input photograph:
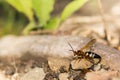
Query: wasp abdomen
x,y
92,55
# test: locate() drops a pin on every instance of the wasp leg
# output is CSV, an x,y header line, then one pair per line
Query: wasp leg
x,y
97,60
77,58
96,56
95,64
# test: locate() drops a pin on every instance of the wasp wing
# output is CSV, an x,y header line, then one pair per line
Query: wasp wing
x,y
88,45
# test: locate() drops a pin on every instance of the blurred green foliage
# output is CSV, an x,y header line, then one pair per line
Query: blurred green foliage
x,y
38,13
11,22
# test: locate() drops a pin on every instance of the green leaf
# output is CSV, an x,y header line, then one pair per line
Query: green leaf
x,y
27,29
53,24
23,6
71,8
43,9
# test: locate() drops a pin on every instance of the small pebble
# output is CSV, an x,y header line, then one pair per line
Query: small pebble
x,y
58,64
63,76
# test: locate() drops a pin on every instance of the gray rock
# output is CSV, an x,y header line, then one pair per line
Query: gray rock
x,y
102,75
43,46
116,78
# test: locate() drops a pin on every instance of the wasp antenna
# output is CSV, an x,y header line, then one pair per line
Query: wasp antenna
x,y
71,47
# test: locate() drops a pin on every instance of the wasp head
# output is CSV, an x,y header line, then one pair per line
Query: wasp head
x,y
74,52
